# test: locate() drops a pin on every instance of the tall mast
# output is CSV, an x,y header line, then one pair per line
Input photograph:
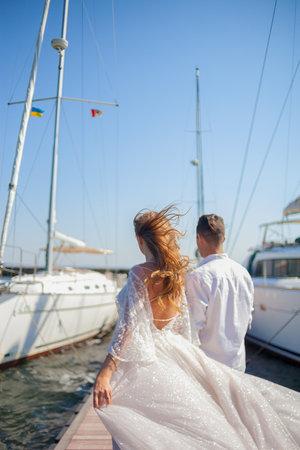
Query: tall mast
x,y
12,187
200,190
59,44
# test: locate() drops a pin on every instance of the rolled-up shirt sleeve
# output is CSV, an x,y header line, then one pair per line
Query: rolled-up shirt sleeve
x,y
197,298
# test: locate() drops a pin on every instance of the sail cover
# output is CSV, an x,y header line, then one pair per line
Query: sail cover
x,y
79,249
293,207
76,245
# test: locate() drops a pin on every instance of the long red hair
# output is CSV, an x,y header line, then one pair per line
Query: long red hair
x,y
158,232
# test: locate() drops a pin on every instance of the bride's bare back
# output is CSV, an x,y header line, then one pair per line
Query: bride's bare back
x,y
160,317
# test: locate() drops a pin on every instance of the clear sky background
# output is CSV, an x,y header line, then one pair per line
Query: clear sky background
x,y
144,54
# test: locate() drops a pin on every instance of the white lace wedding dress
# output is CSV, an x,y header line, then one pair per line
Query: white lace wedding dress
x,y
167,394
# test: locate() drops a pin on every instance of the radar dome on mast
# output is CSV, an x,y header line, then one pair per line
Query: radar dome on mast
x,y
59,44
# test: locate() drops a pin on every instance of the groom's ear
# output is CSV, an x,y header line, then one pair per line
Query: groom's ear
x,y
199,238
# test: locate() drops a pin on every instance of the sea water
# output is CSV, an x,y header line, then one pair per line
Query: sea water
x,y
39,396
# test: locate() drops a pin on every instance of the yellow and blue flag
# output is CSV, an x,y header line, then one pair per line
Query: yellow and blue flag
x,y
36,112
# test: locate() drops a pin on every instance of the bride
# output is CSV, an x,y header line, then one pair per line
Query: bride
x,y
157,389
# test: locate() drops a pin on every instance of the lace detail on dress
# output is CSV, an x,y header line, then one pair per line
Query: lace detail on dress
x,y
181,325
132,339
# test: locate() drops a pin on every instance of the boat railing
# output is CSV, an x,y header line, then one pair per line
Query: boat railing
x,y
27,284
266,227
20,267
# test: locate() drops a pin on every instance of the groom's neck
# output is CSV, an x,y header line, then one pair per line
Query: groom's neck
x,y
211,250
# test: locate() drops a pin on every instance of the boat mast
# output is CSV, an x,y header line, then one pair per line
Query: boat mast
x,y
200,191
12,187
59,44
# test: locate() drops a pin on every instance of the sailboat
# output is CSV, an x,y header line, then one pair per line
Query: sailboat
x,y
275,270
55,308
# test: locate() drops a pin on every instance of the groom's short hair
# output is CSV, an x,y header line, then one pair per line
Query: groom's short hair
x,y
211,227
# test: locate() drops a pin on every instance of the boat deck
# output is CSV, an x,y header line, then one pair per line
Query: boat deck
x,y
85,432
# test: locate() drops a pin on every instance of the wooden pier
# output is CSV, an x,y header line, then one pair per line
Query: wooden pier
x,y
85,432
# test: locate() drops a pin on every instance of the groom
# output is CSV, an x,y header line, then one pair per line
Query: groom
x,y
220,295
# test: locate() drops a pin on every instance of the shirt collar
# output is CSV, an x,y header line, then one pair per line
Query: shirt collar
x,y
214,256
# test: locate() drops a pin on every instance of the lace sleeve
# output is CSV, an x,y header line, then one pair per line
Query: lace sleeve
x,y
132,339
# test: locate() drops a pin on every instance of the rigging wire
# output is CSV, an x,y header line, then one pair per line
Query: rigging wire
x,y
102,181
266,155
30,212
102,171
251,128
290,113
38,150
17,207
98,50
73,146
17,54
11,89
117,190
82,123
115,44
20,37
22,72
116,221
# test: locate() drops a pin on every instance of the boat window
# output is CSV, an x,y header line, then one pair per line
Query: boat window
x,y
294,268
258,269
262,266
278,268
96,286
86,287
70,288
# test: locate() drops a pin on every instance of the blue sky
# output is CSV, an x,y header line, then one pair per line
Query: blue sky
x,y
138,155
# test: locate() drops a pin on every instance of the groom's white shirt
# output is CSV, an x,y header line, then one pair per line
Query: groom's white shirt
x,y
220,296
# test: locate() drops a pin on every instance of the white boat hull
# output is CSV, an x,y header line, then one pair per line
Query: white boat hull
x,y
276,319
38,323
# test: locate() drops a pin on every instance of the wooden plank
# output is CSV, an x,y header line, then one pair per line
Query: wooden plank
x,y
84,445
86,432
